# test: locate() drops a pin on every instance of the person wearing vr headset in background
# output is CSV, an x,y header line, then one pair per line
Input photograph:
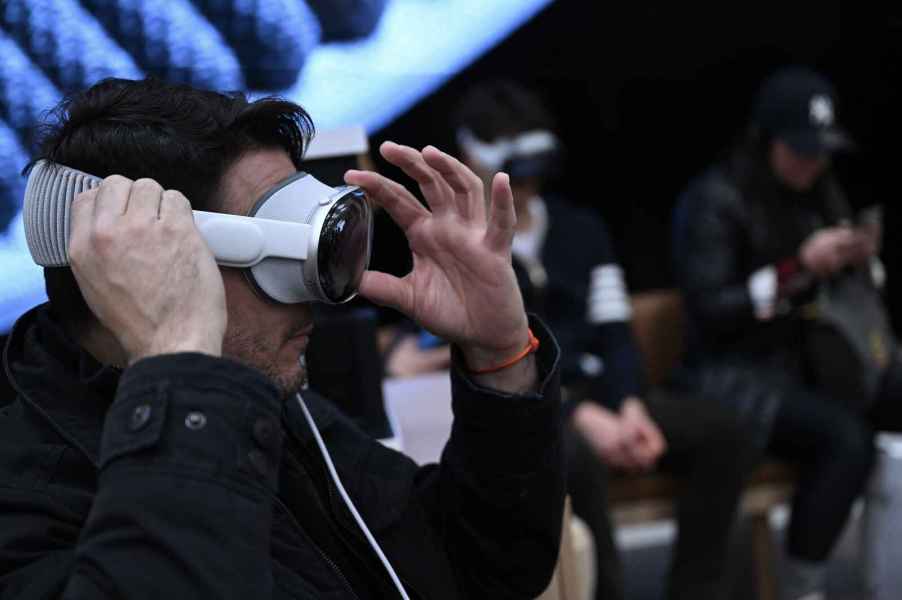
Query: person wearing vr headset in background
x,y
569,275
161,442
772,266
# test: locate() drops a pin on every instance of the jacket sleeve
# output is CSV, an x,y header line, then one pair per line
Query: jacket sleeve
x,y
184,492
707,252
622,372
502,482
608,320
725,295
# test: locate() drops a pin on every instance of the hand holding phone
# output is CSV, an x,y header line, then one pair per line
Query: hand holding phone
x,y
869,232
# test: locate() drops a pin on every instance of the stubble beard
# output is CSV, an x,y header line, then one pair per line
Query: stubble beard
x,y
254,352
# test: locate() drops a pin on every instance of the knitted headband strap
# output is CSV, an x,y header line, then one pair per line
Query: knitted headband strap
x,y
48,197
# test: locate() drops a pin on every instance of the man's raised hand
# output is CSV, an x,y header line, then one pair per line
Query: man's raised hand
x,y
462,286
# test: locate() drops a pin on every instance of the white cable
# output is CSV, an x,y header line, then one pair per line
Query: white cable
x,y
347,500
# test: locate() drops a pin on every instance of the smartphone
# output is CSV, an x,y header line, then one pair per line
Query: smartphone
x,y
870,216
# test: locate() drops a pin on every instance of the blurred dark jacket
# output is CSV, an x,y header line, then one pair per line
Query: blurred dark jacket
x,y
579,289
732,222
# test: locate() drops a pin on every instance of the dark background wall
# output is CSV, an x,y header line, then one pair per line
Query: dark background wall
x,y
648,94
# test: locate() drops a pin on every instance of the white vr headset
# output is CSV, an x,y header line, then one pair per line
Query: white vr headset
x,y
303,240
498,154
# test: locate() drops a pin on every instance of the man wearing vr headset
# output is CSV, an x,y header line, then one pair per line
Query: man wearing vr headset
x,y
157,447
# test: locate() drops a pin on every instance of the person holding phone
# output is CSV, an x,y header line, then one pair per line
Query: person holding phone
x,y
766,249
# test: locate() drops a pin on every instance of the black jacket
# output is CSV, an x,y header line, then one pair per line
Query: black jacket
x,y
187,477
577,244
727,226
730,223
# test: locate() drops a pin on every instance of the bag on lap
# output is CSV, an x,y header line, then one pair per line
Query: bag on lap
x,y
849,341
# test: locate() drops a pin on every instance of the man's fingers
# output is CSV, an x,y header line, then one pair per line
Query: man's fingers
x,y
436,190
113,194
387,290
111,201
174,204
144,201
470,195
80,221
502,217
400,204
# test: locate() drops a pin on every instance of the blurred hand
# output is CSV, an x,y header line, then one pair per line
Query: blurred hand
x,y
462,287
144,269
604,432
867,243
642,438
828,250
408,359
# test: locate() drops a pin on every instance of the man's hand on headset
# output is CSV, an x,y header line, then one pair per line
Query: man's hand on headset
x,y
144,269
462,286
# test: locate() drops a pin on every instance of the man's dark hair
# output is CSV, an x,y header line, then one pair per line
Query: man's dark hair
x,y
501,109
182,137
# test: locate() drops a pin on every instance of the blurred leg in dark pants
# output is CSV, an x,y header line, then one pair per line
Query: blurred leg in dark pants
x,y
886,414
587,478
712,457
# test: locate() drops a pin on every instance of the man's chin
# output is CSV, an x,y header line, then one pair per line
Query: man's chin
x,y
288,380
290,385
286,368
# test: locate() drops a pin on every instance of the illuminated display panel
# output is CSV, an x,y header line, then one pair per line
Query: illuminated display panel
x,y
417,46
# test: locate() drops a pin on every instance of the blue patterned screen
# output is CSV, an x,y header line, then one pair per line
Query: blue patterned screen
x,y
345,61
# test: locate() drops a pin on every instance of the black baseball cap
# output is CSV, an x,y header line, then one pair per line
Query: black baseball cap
x,y
798,105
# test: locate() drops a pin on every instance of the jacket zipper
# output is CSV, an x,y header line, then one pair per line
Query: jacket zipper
x,y
320,466
358,536
354,534
335,568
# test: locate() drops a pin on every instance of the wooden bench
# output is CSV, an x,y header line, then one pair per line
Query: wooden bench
x,y
659,328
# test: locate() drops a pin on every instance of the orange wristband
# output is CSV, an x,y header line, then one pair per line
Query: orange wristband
x,y
531,347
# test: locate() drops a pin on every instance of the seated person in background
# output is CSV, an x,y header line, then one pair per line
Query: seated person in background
x,y
157,445
757,240
570,275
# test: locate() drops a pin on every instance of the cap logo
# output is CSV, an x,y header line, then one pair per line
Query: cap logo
x,y
820,109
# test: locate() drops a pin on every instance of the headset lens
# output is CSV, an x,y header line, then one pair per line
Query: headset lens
x,y
344,246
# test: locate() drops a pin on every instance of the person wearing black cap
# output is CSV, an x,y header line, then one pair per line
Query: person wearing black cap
x,y
766,252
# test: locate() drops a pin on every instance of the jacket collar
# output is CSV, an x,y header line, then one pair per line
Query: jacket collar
x,y
323,412
60,380
73,391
